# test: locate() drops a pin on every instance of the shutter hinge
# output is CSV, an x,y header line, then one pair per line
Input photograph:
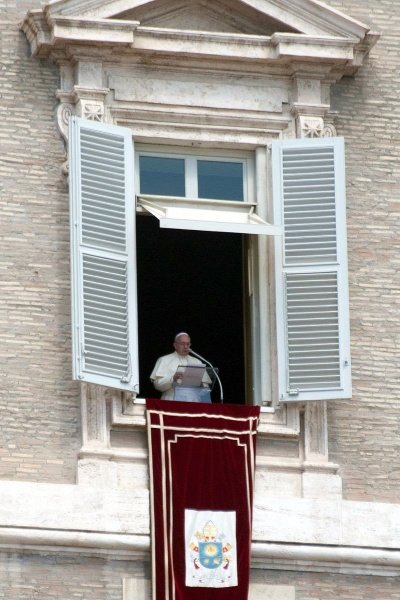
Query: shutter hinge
x,y
293,392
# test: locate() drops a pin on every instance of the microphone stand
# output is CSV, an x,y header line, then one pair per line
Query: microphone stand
x,y
214,371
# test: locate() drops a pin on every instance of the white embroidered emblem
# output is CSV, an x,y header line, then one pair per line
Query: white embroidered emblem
x,y
210,539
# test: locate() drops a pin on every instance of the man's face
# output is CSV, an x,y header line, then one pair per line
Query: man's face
x,y
182,345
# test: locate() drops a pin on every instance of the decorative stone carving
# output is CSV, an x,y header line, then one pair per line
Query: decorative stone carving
x,y
89,102
64,111
83,102
329,130
310,127
93,111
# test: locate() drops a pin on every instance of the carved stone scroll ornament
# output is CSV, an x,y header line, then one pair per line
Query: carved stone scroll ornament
x,y
91,110
329,130
65,110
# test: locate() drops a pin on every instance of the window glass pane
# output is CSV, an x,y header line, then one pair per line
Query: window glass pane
x,y
220,180
162,176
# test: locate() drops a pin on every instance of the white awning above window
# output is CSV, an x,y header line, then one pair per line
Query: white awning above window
x,y
206,215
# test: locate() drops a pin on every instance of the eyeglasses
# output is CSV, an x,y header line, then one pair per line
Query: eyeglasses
x,y
183,343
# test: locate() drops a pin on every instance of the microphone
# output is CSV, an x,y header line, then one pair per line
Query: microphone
x,y
214,371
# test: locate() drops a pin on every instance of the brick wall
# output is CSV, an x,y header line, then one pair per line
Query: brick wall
x,y
325,586
28,577
364,433
40,419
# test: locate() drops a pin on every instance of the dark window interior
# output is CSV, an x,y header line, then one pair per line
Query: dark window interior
x,y
191,281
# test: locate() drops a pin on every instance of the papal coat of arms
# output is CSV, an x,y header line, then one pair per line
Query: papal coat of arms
x,y
211,549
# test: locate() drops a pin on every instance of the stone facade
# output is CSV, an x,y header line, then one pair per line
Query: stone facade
x,y
73,464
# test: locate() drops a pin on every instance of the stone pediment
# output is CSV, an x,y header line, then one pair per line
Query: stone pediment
x,y
308,17
271,32
201,15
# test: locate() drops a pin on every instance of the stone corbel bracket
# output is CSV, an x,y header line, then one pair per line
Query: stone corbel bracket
x,y
87,103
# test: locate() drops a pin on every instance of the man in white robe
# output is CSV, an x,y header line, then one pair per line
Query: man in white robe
x,y
164,375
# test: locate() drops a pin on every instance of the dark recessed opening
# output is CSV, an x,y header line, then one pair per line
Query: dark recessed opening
x,y
191,281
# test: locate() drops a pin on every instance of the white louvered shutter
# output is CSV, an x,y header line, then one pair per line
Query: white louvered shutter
x,y
311,270
103,269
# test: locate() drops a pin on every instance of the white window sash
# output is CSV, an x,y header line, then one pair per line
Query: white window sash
x,y
190,158
206,215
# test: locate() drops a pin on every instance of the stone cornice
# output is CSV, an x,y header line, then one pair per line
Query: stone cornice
x,y
329,559
59,38
264,555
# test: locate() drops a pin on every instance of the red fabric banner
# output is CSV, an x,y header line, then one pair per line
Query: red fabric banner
x,y
202,459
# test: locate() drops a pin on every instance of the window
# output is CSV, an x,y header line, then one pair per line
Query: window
x,y
200,192
192,176
307,347
191,278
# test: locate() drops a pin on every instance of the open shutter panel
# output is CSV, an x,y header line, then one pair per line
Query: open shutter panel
x,y
311,270
103,271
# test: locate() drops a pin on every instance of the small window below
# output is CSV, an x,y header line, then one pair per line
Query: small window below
x,y
196,176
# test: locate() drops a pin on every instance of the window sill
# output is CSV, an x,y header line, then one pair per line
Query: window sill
x,y
283,422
